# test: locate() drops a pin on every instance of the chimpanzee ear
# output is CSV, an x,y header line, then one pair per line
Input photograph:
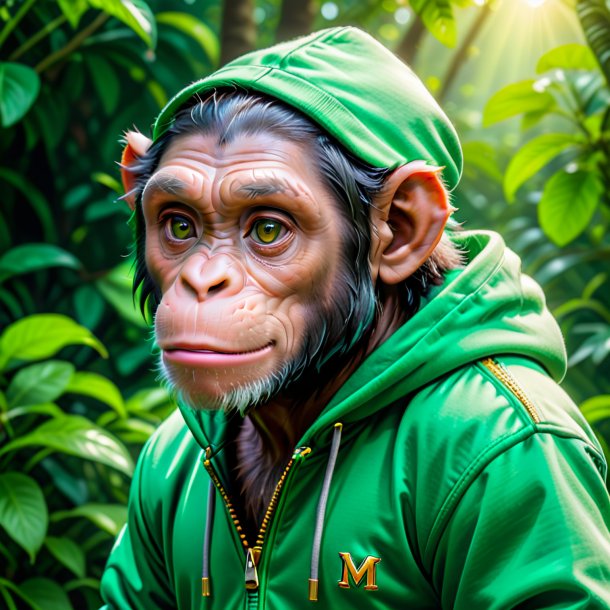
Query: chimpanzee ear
x,y
136,146
415,207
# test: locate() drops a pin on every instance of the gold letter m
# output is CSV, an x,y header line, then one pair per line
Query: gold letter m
x,y
367,567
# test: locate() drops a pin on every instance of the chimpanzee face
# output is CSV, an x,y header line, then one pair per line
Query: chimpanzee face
x,y
244,242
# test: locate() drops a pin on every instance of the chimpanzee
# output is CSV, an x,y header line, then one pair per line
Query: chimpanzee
x,y
369,408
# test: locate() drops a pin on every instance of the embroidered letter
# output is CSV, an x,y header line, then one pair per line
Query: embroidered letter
x,y
368,567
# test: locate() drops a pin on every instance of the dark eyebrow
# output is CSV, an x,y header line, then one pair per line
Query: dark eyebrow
x,y
166,184
261,189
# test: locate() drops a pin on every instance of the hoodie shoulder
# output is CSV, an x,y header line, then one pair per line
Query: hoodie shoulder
x,y
458,425
167,457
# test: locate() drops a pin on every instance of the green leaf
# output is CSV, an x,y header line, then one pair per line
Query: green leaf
x,y
97,386
5,586
67,480
47,408
594,16
531,119
157,92
106,82
196,29
41,336
482,156
46,594
76,435
19,87
532,157
89,305
597,408
79,583
133,430
148,399
596,282
52,116
108,181
133,358
116,287
567,57
39,383
33,257
68,553
579,304
108,517
438,18
135,14
36,200
518,98
12,304
23,511
568,204
73,10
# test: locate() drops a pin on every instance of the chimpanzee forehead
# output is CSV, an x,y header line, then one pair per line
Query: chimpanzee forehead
x,y
251,169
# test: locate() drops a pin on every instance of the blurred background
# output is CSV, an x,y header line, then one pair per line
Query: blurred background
x,y
526,82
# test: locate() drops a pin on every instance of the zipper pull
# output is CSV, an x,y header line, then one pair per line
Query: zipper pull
x,y
251,572
301,452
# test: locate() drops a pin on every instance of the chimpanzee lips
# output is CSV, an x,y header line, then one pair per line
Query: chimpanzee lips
x,y
198,356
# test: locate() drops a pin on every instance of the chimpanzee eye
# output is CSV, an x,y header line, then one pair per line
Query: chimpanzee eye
x,y
180,227
266,230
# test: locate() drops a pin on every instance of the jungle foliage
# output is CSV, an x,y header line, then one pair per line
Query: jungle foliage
x,y
78,395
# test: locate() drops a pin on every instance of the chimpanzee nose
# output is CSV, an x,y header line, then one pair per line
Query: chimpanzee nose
x,y
208,276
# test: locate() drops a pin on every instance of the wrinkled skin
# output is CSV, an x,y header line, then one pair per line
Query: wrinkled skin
x,y
225,291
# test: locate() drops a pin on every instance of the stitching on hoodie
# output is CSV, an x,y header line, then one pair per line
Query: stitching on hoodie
x,y
504,442
493,451
323,34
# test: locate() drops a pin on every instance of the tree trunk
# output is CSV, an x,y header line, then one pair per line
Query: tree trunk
x,y
461,55
237,30
409,45
296,19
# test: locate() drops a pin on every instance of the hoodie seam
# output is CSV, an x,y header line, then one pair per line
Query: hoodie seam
x,y
309,43
457,491
509,395
493,451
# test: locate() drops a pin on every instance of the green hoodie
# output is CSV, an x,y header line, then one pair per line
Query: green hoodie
x,y
462,466
450,470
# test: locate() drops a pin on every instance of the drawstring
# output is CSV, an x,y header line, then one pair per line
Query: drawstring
x,y
317,538
207,538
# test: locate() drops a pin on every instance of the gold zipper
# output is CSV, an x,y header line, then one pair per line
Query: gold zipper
x,y
225,497
501,373
253,553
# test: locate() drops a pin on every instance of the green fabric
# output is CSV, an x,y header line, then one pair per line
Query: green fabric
x,y
354,88
442,473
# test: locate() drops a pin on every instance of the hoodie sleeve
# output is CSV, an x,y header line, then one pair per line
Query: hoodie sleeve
x,y
531,530
135,576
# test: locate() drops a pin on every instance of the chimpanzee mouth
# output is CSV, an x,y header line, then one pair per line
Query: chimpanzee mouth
x,y
203,356
206,350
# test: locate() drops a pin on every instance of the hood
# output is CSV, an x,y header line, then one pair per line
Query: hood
x,y
354,88
486,308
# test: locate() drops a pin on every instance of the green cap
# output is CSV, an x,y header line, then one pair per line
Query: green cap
x,y
354,88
